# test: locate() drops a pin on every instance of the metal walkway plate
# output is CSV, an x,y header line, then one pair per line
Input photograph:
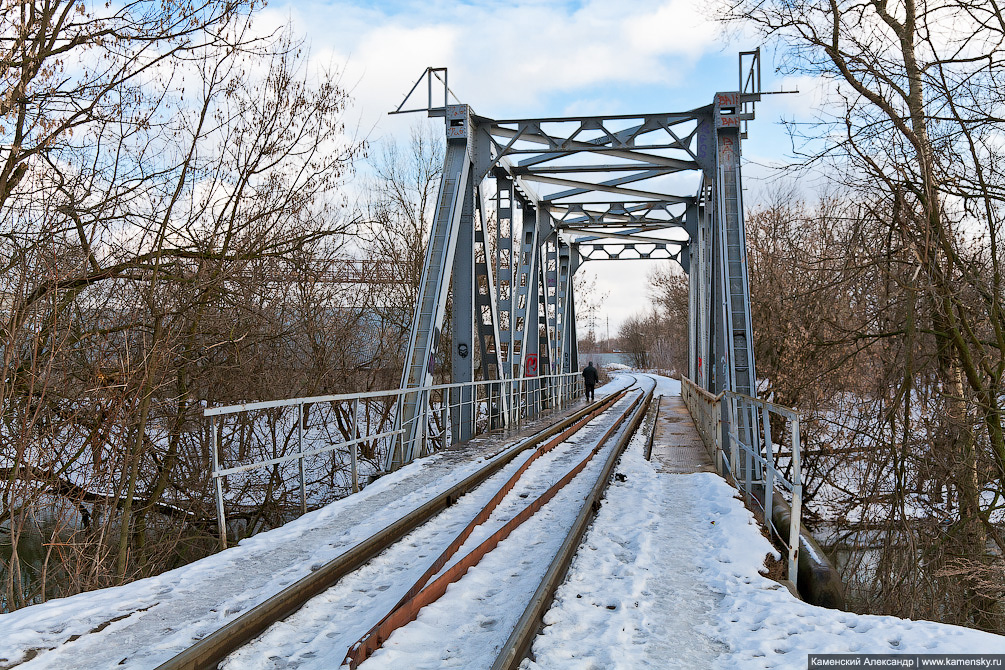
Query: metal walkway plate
x,y
677,447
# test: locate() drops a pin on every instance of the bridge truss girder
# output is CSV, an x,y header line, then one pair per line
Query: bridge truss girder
x,y
524,202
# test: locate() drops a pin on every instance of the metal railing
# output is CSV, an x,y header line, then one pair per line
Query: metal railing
x,y
259,447
759,471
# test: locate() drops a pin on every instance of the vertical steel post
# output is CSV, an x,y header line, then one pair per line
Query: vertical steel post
x,y
694,267
733,287
424,449
769,470
463,316
505,270
300,451
572,337
797,504
748,453
453,199
733,442
221,518
355,446
444,399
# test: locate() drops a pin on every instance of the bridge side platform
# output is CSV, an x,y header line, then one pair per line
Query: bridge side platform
x,y
677,447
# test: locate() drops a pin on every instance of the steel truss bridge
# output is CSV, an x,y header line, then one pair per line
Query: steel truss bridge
x,y
524,202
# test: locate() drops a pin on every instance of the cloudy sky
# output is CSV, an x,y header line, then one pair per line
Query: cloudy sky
x,y
529,58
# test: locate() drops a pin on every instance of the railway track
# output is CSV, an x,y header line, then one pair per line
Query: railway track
x,y
349,607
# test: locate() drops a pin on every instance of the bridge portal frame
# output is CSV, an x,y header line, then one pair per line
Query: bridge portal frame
x,y
523,203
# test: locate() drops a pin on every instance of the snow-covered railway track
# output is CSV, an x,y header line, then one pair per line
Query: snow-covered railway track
x,y
495,523
318,618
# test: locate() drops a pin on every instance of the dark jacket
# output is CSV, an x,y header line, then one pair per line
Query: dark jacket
x,y
590,375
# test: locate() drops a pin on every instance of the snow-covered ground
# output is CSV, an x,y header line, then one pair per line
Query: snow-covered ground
x,y
668,576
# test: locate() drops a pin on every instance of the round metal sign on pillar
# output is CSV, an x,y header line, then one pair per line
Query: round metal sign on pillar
x,y
531,365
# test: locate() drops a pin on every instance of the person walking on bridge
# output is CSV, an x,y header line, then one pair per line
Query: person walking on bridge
x,y
590,380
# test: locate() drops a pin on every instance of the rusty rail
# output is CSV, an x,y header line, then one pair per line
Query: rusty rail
x,y
421,595
518,645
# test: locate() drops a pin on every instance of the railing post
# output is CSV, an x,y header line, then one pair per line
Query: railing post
x,y
221,519
748,453
797,504
300,451
398,445
355,446
734,445
716,418
424,448
769,470
518,405
514,410
444,415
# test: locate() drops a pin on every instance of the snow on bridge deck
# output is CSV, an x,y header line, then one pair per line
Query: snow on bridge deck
x,y
668,576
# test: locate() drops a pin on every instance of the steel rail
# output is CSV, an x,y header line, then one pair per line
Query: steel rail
x,y
518,645
207,653
652,430
421,594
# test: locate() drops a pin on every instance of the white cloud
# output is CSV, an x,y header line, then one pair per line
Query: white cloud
x,y
677,27
508,57
520,58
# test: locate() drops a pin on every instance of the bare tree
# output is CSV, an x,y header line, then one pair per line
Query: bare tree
x,y
158,202
400,199
668,289
913,131
400,202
